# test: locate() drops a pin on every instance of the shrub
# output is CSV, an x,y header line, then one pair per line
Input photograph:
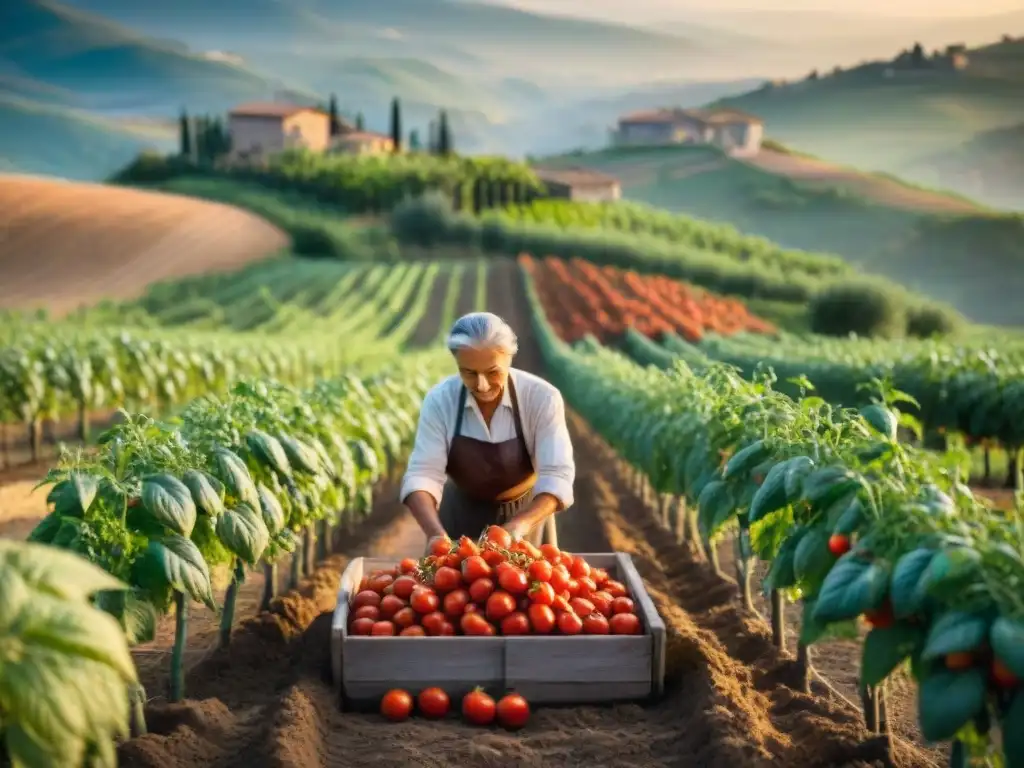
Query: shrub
x,y
864,307
927,320
423,220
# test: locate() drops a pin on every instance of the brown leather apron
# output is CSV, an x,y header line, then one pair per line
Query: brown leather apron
x,y
488,483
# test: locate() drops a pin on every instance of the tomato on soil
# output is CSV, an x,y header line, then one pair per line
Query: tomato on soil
x,y
362,626
838,544
542,618
515,624
433,702
959,660
480,590
569,623
596,624
625,624
474,624
513,711
623,605
540,570
478,707
499,605
396,705
383,629
446,579
424,601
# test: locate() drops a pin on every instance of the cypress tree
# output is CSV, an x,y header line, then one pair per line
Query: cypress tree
x,y
332,113
444,136
396,125
414,140
360,122
184,135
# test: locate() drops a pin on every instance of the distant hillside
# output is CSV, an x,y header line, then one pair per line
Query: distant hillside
x,y
107,67
888,115
989,166
940,246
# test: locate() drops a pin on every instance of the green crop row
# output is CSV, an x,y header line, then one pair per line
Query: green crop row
x,y
854,525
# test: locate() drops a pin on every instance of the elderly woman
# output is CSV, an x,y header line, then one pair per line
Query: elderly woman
x,y
492,447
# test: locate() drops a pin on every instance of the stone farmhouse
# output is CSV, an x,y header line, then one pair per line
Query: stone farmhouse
x,y
259,129
735,132
575,183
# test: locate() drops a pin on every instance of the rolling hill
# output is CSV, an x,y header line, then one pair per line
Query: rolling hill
x,y
888,117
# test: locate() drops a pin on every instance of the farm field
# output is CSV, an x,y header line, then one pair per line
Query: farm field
x,y
936,244
674,469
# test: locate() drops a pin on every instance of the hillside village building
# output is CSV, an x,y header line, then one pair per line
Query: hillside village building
x,y
581,184
362,143
261,128
733,131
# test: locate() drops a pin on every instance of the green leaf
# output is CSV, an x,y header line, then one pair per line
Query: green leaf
x,y
300,456
46,529
169,501
882,420
231,470
905,593
885,648
812,630
797,469
55,571
273,513
823,486
1012,727
948,700
74,495
954,632
950,570
136,615
174,561
771,495
268,451
26,750
813,559
14,596
850,515
206,490
1007,638
744,459
781,573
852,587
243,532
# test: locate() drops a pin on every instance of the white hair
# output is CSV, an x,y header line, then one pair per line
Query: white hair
x,y
482,330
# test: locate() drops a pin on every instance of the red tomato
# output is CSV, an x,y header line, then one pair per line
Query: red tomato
x,y
838,544
622,624
396,705
599,575
881,618
569,623
959,660
513,580
550,553
499,536
367,612
513,711
615,589
480,590
582,607
407,565
515,624
406,617
475,567
380,583
560,604
455,602
596,624
602,603
580,568
1002,675
424,601
471,608
541,592
413,631
478,707
559,578
390,605
452,561
499,605
447,629
404,586
587,587
446,579
467,548
474,624
492,557
565,559
383,629
366,597
362,626
433,623
441,547
542,618
433,702
623,605
540,570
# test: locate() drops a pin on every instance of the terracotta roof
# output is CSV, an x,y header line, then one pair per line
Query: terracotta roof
x,y
575,176
271,109
669,116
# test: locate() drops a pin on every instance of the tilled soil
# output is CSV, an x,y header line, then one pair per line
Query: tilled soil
x,y
267,701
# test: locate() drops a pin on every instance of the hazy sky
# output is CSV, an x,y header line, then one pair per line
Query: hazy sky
x,y
676,9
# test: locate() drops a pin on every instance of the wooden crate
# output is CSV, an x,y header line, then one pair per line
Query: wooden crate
x,y
549,670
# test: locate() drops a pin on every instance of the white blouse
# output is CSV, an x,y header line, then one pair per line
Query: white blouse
x,y
542,412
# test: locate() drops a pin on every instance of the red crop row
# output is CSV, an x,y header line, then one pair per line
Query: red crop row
x,y
581,298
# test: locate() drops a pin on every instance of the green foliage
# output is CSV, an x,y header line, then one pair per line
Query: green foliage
x,y
863,308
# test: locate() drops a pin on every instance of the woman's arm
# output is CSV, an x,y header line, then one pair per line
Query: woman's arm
x,y
425,473
554,464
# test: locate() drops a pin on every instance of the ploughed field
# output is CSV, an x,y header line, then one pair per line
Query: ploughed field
x,y
732,695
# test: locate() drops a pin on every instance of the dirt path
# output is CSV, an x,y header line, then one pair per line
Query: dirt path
x,y
430,326
876,188
466,301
